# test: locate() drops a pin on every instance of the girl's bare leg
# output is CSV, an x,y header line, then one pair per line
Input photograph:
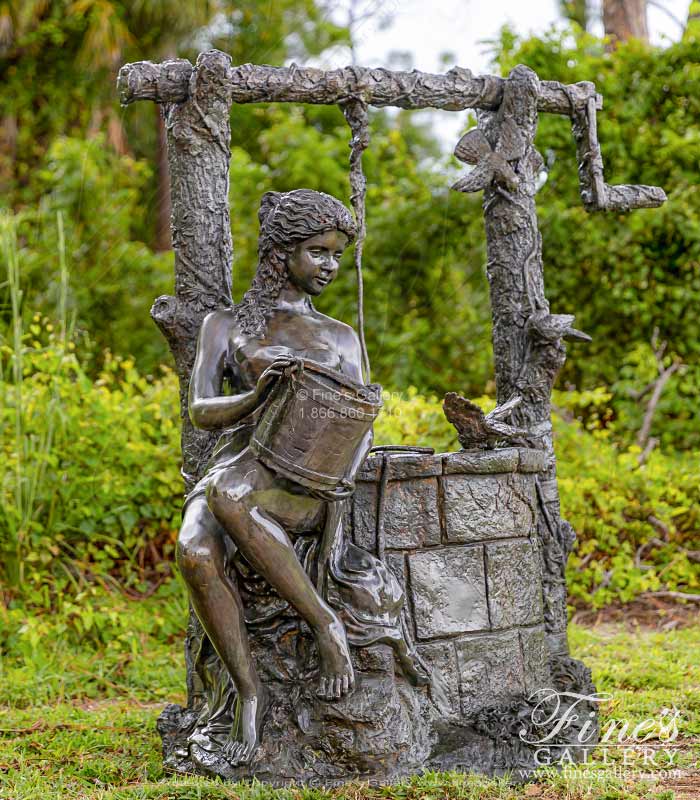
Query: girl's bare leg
x,y
201,557
243,500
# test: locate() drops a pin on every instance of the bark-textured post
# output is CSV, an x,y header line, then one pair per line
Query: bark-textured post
x,y
198,137
198,132
164,209
527,339
199,154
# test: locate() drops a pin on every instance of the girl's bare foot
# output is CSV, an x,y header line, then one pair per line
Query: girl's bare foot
x,y
337,677
239,746
250,718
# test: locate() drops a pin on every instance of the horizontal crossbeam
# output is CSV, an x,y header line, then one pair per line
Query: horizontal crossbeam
x,y
456,90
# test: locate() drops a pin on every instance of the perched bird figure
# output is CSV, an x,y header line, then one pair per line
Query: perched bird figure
x,y
490,164
476,429
552,328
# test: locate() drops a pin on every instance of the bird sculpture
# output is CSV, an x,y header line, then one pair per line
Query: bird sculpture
x,y
476,430
546,328
490,164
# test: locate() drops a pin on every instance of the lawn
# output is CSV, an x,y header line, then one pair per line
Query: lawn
x,y
78,713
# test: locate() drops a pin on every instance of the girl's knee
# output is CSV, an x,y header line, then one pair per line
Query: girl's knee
x,y
228,499
199,551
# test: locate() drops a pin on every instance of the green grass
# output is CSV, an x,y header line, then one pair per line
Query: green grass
x,y
644,670
78,710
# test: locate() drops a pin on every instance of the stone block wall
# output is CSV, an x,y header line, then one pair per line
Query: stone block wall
x,y
458,531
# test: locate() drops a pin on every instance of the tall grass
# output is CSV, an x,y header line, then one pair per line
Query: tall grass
x,y
32,443
91,492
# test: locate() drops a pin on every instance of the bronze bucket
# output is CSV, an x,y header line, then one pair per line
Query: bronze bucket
x,y
313,423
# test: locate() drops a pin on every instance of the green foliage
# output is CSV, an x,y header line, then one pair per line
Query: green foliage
x,y
676,413
414,420
427,297
115,276
44,94
59,58
87,505
94,508
638,526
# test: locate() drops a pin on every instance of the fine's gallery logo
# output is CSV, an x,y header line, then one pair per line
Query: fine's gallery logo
x,y
564,728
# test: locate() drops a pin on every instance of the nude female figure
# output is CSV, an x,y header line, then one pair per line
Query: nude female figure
x,y
302,237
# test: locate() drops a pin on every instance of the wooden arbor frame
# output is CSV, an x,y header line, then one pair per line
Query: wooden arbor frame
x,y
528,339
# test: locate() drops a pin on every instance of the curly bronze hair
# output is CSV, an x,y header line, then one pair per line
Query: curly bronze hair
x,y
286,218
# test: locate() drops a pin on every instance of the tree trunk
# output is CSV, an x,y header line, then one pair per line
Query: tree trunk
x,y
198,136
625,19
527,339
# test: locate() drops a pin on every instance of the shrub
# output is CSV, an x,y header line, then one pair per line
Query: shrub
x,y
638,526
411,419
116,277
91,487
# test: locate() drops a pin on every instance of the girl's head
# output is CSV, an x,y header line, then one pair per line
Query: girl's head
x,y
287,221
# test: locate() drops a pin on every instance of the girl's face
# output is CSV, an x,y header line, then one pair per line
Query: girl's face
x,y
314,263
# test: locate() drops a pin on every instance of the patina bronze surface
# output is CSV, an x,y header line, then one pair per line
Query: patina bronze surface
x,y
312,426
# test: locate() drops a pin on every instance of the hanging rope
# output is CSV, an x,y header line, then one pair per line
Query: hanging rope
x,y
355,112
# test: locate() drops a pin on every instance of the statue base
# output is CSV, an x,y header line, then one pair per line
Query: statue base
x,y
384,731
379,731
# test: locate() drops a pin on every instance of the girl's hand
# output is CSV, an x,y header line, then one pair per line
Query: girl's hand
x,y
275,371
294,364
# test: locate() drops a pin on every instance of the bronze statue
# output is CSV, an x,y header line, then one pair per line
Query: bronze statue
x,y
264,514
476,539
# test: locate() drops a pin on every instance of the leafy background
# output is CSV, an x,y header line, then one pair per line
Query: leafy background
x,y
89,422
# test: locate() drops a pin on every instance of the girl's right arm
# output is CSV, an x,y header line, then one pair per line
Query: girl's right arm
x,y
209,409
